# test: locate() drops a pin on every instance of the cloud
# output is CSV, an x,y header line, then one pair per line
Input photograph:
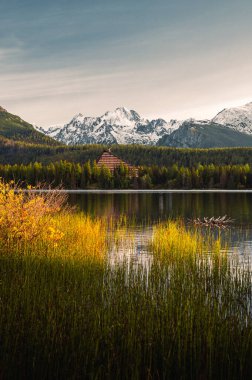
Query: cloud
x,y
182,89
58,82
9,54
176,60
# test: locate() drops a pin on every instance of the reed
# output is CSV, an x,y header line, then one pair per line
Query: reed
x,y
81,238
173,241
69,320
66,313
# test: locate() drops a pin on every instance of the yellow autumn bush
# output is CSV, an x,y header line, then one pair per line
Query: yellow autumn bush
x,y
38,221
22,213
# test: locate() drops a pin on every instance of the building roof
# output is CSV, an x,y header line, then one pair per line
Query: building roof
x,y
111,161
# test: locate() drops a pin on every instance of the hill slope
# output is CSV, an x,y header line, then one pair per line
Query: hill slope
x,y
194,134
12,127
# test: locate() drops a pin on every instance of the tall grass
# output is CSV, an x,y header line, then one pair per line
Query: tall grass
x,y
41,224
66,315
82,238
172,240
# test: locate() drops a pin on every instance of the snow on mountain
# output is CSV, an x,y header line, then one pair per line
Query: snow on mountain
x,y
205,134
237,118
122,126
123,116
51,131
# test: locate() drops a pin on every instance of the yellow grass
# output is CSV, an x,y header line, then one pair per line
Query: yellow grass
x,y
173,240
83,237
39,223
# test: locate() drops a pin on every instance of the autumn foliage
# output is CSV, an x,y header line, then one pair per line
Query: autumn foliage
x,y
22,214
34,218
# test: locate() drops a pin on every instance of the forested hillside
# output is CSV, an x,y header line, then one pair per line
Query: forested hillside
x,y
165,156
12,152
27,156
88,176
12,127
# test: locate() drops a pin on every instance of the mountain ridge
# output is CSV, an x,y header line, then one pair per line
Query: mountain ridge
x,y
13,128
230,127
205,135
125,126
122,126
238,118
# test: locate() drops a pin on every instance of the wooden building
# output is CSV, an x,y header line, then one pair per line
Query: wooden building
x,y
112,162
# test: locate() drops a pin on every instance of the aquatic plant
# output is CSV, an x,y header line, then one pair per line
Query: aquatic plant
x,y
173,241
66,315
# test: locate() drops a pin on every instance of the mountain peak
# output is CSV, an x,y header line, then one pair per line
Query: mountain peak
x,y
122,109
121,126
2,109
78,115
238,118
77,118
121,116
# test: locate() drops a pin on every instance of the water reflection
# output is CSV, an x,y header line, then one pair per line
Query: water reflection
x,y
145,210
149,208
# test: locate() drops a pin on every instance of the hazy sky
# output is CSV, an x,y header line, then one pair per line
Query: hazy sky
x,y
163,58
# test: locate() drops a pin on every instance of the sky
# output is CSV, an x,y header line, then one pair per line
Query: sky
x,y
172,59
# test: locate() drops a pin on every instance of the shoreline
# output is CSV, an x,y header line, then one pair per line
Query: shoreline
x,y
141,191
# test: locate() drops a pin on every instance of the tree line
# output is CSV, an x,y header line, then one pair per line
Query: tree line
x,y
87,176
12,152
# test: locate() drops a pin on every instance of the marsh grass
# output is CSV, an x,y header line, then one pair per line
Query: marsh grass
x,y
84,238
66,313
173,240
69,320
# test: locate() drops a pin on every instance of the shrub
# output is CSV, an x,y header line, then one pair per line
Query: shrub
x,y
23,213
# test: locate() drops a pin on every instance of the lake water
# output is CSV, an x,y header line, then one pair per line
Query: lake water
x,y
144,210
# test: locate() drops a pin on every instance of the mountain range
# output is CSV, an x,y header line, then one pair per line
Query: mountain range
x,y
230,127
200,134
121,126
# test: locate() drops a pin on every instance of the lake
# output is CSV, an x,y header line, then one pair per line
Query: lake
x,y
144,209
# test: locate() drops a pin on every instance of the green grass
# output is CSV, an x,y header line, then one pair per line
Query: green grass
x,y
186,318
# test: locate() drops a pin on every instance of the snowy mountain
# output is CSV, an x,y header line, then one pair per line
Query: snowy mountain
x,y
237,118
121,126
51,131
229,128
124,126
205,134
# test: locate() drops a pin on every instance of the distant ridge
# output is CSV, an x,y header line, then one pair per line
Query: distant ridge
x,y
237,118
205,135
12,127
121,126
228,128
